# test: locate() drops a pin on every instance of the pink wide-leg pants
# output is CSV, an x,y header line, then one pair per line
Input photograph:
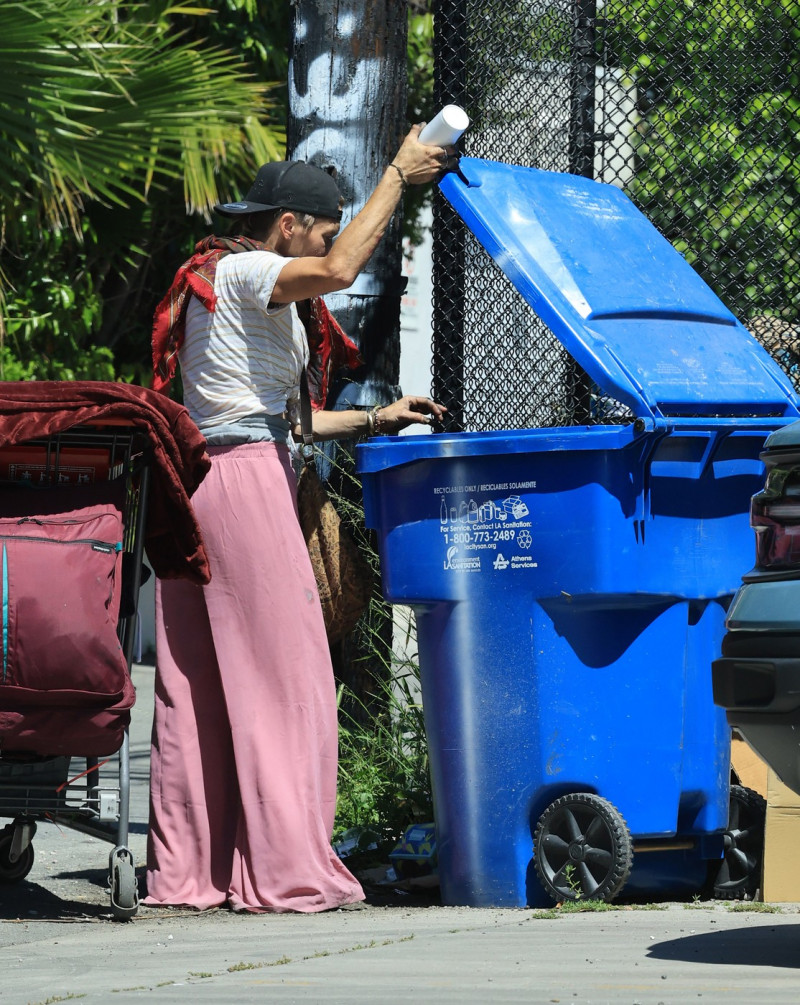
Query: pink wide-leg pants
x,y
244,752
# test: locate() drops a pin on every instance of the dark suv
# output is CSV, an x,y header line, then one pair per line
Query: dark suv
x,y
757,680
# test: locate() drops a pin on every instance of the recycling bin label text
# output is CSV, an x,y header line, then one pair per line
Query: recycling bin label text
x,y
483,526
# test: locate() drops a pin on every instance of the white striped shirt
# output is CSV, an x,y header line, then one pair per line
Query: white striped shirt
x,y
244,358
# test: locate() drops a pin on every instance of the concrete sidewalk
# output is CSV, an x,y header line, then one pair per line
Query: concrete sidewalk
x,y
674,955
58,942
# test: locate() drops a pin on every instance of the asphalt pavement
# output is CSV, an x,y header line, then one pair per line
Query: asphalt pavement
x,y
59,941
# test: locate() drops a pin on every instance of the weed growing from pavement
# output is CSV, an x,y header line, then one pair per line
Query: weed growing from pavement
x,y
599,906
590,907
571,876
754,906
58,998
236,967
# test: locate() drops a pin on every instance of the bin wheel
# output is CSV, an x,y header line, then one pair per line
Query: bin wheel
x,y
582,848
13,872
122,882
739,873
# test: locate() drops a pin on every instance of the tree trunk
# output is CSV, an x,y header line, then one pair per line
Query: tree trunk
x,y
347,105
347,101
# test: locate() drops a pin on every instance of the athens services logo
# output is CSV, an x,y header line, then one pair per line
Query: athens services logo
x,y
456,564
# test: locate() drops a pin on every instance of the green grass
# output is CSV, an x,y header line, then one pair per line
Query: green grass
x,y
58,998
590,907
753,907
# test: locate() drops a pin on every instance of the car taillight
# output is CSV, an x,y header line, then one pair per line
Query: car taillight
x,y
775,517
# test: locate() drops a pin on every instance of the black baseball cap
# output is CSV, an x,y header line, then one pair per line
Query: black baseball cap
x,y
294,185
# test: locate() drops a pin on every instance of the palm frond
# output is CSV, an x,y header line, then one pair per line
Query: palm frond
x,y
101,102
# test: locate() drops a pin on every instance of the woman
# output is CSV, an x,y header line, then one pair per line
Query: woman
x,y
244,756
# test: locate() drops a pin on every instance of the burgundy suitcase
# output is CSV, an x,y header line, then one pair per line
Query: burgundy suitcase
x,y
65,686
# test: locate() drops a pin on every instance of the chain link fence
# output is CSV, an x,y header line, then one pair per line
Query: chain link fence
x,y
688,107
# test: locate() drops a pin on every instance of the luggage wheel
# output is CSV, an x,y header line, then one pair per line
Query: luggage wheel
x,y
16,850
122,884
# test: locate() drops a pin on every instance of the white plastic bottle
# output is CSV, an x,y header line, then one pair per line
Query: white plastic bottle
x,y
446,128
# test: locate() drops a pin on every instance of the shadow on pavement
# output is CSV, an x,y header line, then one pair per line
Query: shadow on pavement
x,y
750,946
26,901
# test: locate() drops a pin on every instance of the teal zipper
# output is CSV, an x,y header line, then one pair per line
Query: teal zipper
x,y
107,546
5,614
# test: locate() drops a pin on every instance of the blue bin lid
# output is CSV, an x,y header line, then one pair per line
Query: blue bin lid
x,y
624,303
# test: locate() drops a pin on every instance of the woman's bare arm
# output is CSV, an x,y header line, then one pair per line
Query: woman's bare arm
x,y
301,278
350,424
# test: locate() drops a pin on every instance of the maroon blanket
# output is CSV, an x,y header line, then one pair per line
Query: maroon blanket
x,y
35,409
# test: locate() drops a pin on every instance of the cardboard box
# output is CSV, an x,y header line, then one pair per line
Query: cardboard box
x,y
781,861
748,767
781,843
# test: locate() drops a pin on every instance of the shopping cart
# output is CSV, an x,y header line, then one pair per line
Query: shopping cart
x,y
64,745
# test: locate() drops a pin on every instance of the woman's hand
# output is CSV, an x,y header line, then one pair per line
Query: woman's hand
x,y
404,412
382,421
420,163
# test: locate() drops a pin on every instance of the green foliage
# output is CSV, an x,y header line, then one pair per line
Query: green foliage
x,y
255,31
420,108
718,169
103,101
420,68
53,314
117,118
384,783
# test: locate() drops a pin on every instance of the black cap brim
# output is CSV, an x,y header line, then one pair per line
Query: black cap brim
x,y
241,208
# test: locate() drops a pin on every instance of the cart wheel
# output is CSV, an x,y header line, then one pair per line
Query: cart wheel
x,y
739,874
582,848
13,872
122,882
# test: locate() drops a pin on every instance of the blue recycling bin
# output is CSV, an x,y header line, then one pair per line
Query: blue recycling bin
x,y
570,584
